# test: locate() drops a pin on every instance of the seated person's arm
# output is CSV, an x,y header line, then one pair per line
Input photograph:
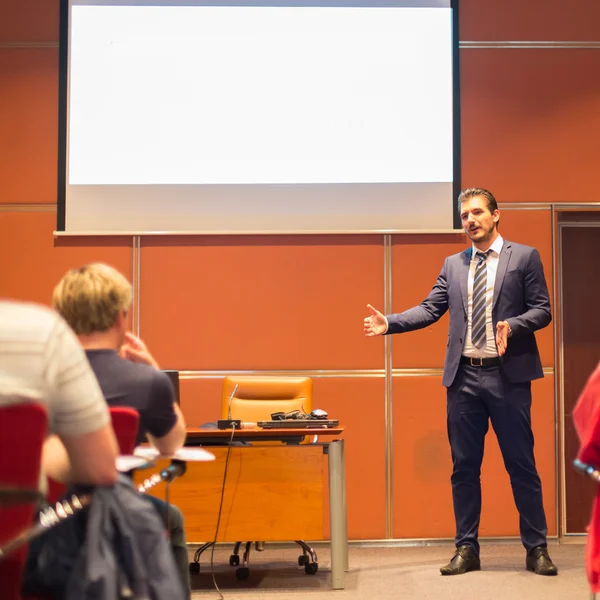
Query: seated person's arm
x,y
166,426
86,459
175,439
79,416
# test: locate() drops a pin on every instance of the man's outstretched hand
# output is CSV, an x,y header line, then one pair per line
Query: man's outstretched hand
x,y
502,331
375,323
135,350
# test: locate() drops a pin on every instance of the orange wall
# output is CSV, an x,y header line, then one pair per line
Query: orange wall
x,y
260,302
530,121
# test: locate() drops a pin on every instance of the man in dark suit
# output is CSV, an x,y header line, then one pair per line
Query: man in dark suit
x,y
497,297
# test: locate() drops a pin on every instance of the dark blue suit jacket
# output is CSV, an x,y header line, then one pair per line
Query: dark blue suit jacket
x,y
520,297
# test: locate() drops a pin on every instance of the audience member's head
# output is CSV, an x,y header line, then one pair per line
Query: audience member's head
x,y
94,300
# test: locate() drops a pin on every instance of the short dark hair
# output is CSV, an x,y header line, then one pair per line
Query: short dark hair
x,y
472,192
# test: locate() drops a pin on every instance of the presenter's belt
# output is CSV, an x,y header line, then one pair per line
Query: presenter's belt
x,y
475,361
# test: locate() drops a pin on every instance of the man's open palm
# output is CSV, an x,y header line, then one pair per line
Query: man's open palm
x,y
375,323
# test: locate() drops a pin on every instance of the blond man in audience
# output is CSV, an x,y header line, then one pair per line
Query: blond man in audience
x,y
95,300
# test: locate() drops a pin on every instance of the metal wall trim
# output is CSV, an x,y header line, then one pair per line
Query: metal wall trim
x,y
388,397
561,387
428,542
524,206
527,45
256,232
395,542
433,372
437,372
28,45
575,224
557,417
136,287
48,207
464,44
320,374
28,207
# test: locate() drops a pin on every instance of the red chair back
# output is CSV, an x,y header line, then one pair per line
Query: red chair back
x,y
125,422
23,429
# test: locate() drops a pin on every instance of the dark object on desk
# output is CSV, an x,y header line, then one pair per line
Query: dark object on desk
x,y
174,377
299,424
229,424
319,414
316,415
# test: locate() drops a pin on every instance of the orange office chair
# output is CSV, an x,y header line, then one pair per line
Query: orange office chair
x,y
252,398
257,397
23,430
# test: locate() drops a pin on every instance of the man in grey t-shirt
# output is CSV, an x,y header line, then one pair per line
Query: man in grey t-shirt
x,y
41,360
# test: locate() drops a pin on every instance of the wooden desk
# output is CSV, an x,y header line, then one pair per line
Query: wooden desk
x,y
198,435
272,491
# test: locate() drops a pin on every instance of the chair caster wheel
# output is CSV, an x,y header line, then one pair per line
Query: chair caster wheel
x,y
234,560
194,568
242,573
303,560
311,568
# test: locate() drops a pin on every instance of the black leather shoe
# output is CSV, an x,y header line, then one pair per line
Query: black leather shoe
x,y
539,561
463,561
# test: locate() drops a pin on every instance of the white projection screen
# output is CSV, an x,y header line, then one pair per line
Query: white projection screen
x,y
258,117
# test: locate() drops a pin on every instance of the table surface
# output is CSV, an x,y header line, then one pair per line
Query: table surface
x,y
259,432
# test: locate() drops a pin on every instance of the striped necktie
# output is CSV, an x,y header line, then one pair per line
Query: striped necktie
x,y
478,332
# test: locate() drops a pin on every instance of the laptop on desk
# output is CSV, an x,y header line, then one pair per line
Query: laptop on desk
x,y
174,377
299,424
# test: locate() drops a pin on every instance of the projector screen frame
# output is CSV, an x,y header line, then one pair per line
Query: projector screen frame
x,y
62,152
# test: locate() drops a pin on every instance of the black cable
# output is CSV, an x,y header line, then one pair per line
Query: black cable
x,y
212,551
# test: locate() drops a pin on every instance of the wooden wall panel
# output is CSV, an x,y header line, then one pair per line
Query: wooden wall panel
x,y
422,465
33,261
200,399
531,20
416,263
31,21
28,125
531,123
359,405
261,302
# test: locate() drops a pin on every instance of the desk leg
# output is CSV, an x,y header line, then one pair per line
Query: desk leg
x,y
344,510
337,514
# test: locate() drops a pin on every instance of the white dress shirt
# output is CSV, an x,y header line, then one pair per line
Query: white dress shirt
x,y
489,348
